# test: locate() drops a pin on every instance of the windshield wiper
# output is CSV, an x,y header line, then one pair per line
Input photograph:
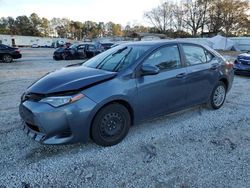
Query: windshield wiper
x,y
116,68
100,65
119,51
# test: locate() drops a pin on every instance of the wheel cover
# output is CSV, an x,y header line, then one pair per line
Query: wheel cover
x,y
112,125
7,58
219,95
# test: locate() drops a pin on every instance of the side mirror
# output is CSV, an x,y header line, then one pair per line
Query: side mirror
x,y
149,70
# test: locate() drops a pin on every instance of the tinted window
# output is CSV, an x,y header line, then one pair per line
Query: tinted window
x,y
81,47
91,47
165,58
194,54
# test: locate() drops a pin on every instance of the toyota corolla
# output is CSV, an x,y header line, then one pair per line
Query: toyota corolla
x,y
121,87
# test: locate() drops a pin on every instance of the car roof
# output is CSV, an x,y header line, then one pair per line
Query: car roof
x,y
160,42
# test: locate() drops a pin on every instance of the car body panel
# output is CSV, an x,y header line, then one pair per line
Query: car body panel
x,y
69,79
52,122
161,93
242,64
145,96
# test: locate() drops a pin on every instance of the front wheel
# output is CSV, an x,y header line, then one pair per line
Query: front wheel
x,y
218,95
111,125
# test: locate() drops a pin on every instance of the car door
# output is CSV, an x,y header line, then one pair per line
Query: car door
x,y
81,51
202,73
165,91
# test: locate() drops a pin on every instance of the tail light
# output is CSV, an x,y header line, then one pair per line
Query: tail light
x,y
229,64
17,50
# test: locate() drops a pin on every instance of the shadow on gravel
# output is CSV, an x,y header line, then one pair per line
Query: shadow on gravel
x,y
225,143
48,151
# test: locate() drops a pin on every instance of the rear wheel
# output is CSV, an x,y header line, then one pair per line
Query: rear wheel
x,y
7,58
111,125
218,95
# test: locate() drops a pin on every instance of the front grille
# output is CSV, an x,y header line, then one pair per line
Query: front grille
x,y
33,127
245,62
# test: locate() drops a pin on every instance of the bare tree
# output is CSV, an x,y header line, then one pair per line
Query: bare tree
x,y
229,16
162,16
194,15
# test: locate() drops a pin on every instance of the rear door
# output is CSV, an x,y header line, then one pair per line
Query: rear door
x,y
202,73
165,91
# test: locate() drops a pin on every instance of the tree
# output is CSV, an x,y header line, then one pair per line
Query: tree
x,y
162,16
4,26
36,24
116,30
45,29
23,25
229,16
194,11
76,30
12,26
90,29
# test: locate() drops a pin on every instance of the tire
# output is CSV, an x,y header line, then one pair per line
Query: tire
x,y
111,125
7,58
218,96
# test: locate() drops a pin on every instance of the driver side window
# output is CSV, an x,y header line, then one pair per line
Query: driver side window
x,y
165,58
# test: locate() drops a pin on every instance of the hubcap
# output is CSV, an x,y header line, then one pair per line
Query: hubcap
x,y
219,95
111,125
7,58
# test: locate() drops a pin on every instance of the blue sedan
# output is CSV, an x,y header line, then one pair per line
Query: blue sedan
x,y
242,64
121,87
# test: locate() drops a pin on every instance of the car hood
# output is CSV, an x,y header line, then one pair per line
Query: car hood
x,y
244,56
69,79
59,50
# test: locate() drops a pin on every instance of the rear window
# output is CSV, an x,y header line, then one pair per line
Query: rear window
x,y
194,54
91,47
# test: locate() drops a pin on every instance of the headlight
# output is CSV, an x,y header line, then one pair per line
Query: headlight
x,y
61,100
239,61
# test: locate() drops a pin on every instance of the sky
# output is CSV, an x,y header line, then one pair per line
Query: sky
x,y
118,11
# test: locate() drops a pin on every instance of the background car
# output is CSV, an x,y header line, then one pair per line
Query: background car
x,y
242,64
107,45
35,46
77,51
7,53
123,86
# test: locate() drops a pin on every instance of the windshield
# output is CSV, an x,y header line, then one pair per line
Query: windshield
x,y
73,46
117,58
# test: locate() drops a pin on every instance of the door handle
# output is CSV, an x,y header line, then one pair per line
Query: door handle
x,y
181,75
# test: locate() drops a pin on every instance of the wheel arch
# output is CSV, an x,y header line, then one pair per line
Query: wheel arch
x,y
225,81
123,102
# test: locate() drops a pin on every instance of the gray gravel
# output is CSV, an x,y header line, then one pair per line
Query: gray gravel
x,y
197,147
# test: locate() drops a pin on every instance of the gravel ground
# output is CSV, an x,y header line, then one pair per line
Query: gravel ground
x,y
197,147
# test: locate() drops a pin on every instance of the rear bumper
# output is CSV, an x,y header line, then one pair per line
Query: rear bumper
x,y
62,125
17,56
